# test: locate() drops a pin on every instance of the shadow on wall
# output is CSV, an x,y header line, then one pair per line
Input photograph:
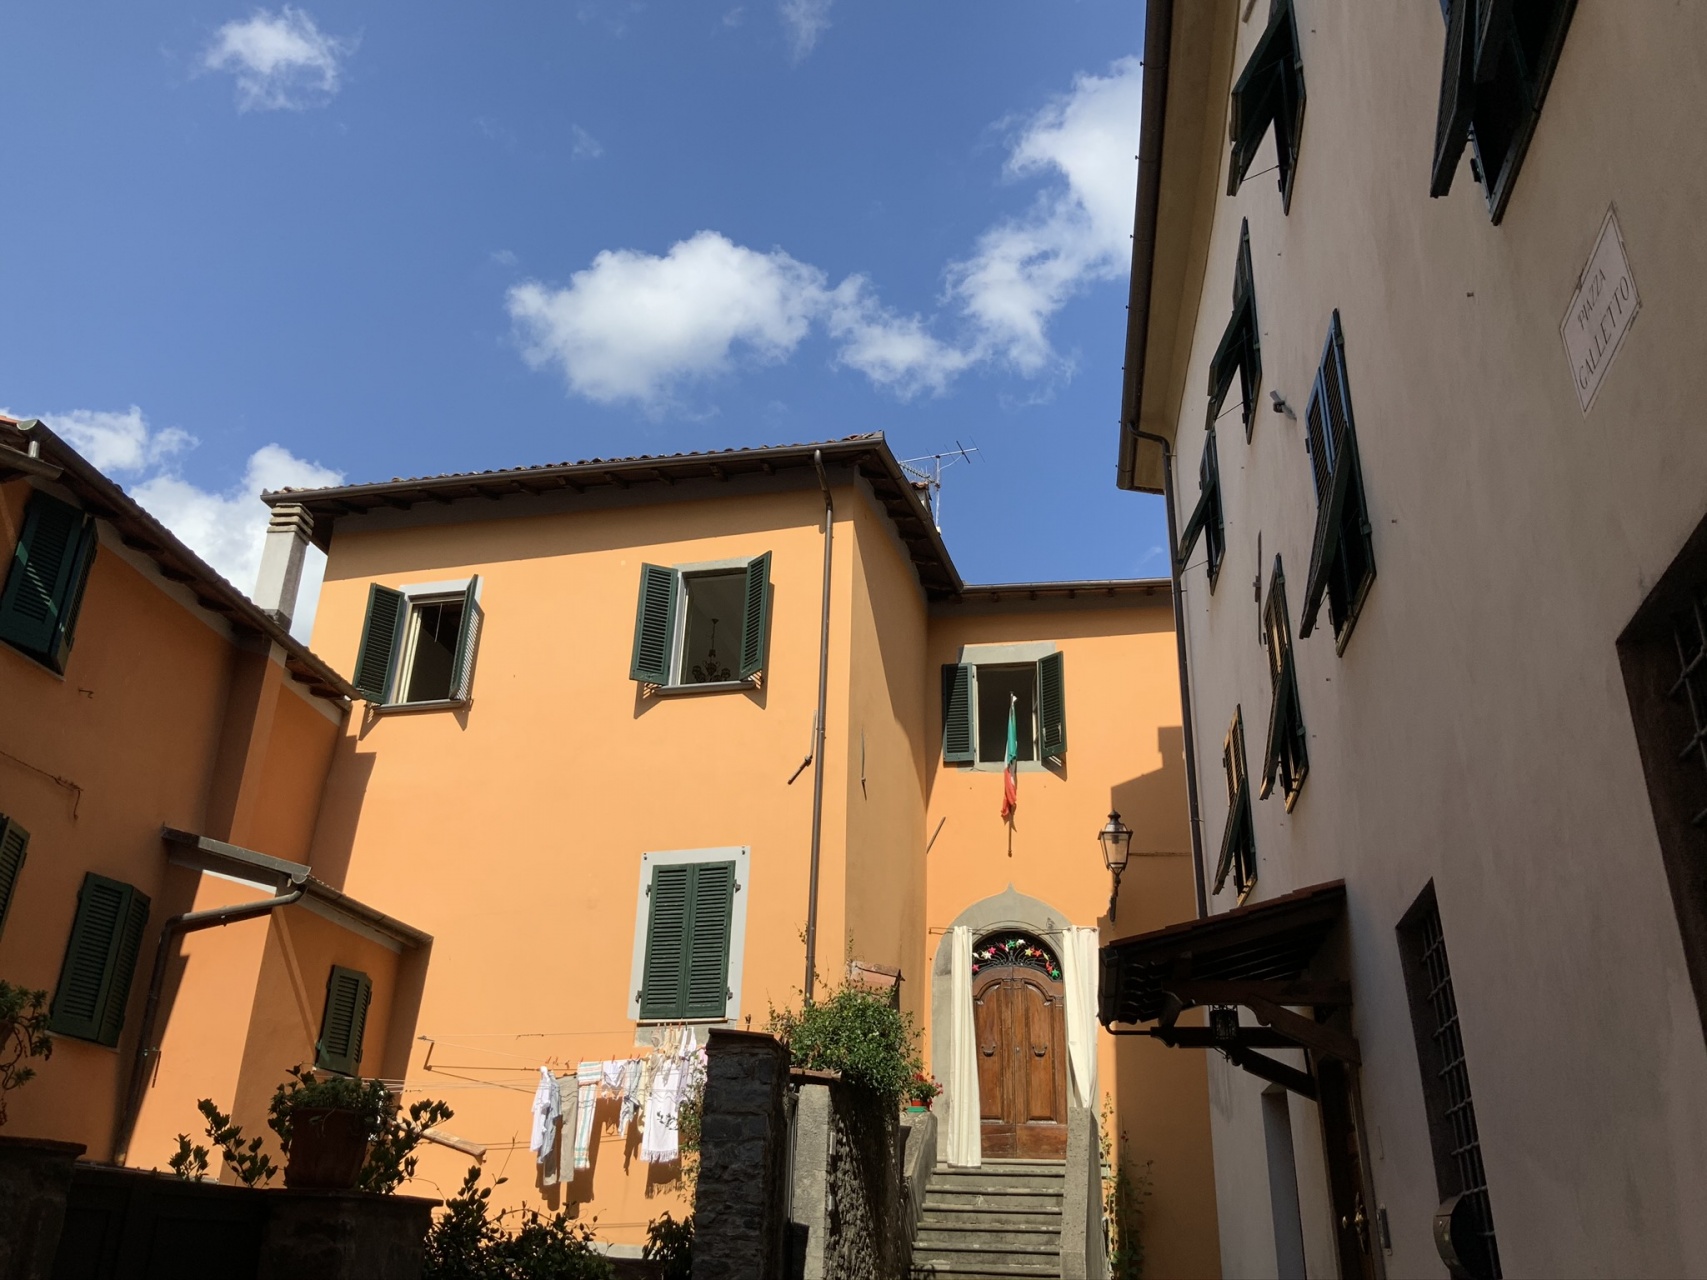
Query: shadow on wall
x,y
340,810
1161,1095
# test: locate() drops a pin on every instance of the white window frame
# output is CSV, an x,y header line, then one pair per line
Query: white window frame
x,y
418,594
679,633
738,854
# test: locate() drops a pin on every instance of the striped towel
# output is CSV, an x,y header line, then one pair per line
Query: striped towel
x,y
587,1077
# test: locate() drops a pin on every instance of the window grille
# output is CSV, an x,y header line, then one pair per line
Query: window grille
x,y
1446,1079
1498,63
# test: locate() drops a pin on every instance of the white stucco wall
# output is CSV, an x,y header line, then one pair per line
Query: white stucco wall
x,y
1476,730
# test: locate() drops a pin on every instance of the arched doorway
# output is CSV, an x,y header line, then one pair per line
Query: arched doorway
x,y
1019,1013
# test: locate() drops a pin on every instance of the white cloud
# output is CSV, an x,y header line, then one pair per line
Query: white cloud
x,y
586,146
224,527
734,16
1023,270
633,326
282,61
120,442
805,21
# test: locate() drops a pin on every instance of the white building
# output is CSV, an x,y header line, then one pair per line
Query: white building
x,y
1434,413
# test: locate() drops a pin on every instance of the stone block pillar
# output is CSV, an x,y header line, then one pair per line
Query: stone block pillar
x,y
740,1206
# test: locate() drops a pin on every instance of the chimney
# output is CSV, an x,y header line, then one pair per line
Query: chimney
x,y
281,561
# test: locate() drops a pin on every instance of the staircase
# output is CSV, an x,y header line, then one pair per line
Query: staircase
x,y
1003,1219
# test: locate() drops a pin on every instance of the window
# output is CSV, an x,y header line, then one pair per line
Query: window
x,y
344,1022
688,931
1286,759
1238,841
1206,515
1240,349
1499,60
706,625
1664,656
100,960
977,698
44,586
419,644
1342,557
14,844
1270,90
1446,1086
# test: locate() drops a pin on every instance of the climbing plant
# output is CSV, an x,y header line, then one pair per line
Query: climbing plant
x,y
1126,1185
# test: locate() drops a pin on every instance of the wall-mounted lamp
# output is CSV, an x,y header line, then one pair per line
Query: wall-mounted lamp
x,y
1116,839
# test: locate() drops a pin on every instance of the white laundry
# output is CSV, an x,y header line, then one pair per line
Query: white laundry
x,y
547,1110
658,1145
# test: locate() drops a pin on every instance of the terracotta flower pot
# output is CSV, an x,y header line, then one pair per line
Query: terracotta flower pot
x,y
327,1148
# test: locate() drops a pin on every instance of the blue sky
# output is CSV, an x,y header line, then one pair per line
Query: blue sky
x,y
255,246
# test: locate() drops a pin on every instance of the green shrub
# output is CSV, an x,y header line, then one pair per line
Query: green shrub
x,y
670,1243
467,1243
23,1035
856,1031
251,1165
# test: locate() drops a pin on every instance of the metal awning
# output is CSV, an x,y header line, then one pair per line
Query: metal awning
x,y
1255,957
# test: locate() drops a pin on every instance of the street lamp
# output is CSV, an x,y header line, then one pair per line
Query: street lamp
x,y
1116,839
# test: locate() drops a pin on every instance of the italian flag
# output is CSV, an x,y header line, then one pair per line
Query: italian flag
x,y
1010,775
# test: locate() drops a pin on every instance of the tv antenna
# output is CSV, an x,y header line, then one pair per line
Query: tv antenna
x,y
926,473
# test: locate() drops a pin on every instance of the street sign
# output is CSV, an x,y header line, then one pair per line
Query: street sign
x,y
1601,312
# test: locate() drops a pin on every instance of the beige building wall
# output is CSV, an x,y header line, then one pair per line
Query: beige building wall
x,y
1476,731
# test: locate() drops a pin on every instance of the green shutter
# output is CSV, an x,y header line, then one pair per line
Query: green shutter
x,y
756,617
654,625
381,632
14,844
1493,21
1206,515
124,967
1052,706
348,992
1457,98
661,984
709,925
959,735
44,587
467,643
94,981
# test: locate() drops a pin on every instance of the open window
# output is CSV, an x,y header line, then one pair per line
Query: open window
x,y
1342,556
980,697
419,645
1240,349
1499,60
1238,839
1206,521
1286,759
44,585
1270,91
702,625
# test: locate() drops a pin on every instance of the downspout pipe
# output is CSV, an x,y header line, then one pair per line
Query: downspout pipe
x,y
1176,568
818,735
170,933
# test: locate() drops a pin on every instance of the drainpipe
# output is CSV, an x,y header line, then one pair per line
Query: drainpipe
x,y
1176,568
818,734
174,928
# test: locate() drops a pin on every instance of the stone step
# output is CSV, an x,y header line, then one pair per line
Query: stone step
x,y
941,1260
990,1215
981,1271
1004,1168
1007,1235
978,1182
1021,1201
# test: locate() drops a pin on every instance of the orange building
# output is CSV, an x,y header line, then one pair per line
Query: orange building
x,y
642,744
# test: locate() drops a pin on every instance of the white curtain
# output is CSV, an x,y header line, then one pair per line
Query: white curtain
x,y
1079,976
965,1141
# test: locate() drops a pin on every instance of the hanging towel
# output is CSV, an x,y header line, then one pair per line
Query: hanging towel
x,y
631,1095
610,1084
546,1110
965,1135
663,1113
1079,976
587,1077
568,1106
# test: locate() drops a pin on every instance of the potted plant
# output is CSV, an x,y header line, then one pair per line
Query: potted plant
x,y
326,1125
23,1035
340,1133
922,1092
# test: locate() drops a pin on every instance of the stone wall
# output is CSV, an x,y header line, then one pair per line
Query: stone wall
x,y
850,1211
740,1202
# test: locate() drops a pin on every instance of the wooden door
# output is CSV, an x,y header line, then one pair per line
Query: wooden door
x,y
1020,1019
1353,1225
